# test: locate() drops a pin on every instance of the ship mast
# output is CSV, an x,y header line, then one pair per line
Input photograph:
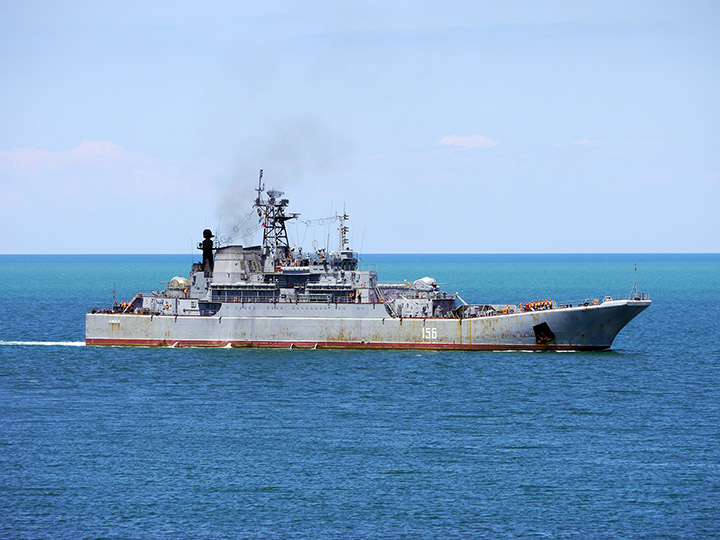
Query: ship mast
x,y
271,212
343,230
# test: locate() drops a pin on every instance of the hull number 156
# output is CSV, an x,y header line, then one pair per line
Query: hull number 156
x,y
429,333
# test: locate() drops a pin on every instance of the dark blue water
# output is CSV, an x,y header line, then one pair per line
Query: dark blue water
x,y
235,443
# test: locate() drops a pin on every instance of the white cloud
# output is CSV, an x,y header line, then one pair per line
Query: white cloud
x,y
473,141
586,141
581,142
101,188
87,153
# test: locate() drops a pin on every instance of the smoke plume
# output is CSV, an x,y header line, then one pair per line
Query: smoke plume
x,y
290,154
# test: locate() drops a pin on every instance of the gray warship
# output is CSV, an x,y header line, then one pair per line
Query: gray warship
x,y
273,295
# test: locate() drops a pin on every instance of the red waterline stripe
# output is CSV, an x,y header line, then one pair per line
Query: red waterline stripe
x,y
334,345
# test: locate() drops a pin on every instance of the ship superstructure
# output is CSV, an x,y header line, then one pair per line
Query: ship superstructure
x,y
276,295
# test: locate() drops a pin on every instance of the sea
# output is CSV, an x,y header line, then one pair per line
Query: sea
x,y
168,443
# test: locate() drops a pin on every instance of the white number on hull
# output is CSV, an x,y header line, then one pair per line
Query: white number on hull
x,y
429,333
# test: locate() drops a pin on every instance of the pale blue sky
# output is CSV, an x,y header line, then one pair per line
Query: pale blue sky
x,y
486,127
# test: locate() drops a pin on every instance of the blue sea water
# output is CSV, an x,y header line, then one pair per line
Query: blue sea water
x,y
237,443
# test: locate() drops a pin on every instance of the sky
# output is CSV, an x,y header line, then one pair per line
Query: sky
x,y
453,127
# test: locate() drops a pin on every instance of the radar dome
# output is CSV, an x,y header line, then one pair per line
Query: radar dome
x,y
179,283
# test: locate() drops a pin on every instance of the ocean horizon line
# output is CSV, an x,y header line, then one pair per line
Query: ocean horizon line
x,y
519,253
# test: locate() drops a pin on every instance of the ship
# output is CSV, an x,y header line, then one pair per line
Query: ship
x,y
276,295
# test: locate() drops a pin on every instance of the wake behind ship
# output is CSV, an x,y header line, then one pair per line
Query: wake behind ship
x,y
274,295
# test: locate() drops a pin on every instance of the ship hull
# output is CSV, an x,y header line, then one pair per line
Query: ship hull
x,y
578,328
